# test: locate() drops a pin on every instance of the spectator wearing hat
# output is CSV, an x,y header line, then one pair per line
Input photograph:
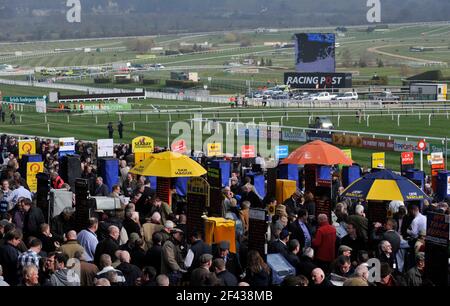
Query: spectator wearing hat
x,y
324,242
300,229
202,273
166,230
162,208
415,276
227,278
232,261
280,245
172,261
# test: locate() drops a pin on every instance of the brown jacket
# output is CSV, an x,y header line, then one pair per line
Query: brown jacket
x,y
70,247
149,229
88,272
244,218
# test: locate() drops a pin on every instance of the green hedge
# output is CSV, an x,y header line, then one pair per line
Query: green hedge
x,y
182,84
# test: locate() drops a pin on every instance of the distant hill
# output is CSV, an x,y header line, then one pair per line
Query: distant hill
x,y
45,19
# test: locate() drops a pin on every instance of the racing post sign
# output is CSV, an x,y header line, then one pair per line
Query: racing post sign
x,y
33,168
26,147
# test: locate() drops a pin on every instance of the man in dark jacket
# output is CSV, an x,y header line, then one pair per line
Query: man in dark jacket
x,y
201,274
291,204
130,272
63,222
227,278
280,245
110,130
232,262
109,245
100,188
306,265
9,257
33,219
198,248
153,255
300,229
292,256
120,129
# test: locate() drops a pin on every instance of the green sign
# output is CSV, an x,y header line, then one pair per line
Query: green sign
x,y
23,100
102,107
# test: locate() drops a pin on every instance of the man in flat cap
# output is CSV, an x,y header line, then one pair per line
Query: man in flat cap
x,y
232,261
202,273
172,261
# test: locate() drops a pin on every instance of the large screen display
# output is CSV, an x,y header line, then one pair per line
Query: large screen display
x,y
314,52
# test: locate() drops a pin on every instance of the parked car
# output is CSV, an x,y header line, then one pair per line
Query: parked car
x,y
350,95
384,96
322,123
323,96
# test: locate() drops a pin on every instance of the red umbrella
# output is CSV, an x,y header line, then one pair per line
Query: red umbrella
x,y
319,153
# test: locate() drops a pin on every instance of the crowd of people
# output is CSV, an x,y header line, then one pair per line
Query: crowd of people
x,y
145,242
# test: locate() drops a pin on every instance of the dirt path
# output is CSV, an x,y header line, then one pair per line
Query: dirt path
x,y
409,58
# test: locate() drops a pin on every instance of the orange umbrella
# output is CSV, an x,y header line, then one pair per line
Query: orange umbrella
x,y
319,153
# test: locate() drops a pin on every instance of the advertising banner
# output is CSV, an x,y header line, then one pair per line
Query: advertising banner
x,y
281,152
214,149
179,146
248,151
347,140
66,146
324,136
378,144
26,147
296,136
142,144
378,160
318,80
409,146
33,168
407,158
105,148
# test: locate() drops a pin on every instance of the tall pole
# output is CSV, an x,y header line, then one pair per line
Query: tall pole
x,y
421,160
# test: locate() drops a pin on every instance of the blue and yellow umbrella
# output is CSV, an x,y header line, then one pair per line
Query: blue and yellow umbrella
x,y
384,185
